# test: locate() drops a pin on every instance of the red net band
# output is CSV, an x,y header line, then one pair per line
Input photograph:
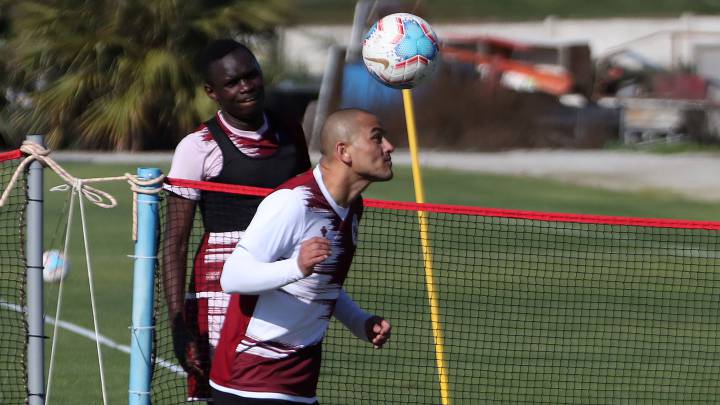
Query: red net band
x,y
466,210
10,155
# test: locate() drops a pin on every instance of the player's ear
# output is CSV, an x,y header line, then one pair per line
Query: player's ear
x,y
210,91
342,153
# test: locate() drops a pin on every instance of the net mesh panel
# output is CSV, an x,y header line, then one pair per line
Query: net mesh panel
x,y
169,385
13,328
534,309
169,379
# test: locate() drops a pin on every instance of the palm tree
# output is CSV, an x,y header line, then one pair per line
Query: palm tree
x,y
5,84
119,73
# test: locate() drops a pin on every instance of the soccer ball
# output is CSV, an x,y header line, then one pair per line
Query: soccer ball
x,y
400,50
55,266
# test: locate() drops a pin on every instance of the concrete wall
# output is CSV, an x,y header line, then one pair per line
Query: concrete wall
x,y
667,41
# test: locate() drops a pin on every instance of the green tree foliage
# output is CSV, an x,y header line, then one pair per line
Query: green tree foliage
x,y
120,74
5,129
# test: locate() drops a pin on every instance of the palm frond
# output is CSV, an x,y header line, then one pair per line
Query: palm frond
x,y
110,74
165,69
114,118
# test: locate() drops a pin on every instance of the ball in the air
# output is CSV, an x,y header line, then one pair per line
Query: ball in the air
x,y
400,50
55,266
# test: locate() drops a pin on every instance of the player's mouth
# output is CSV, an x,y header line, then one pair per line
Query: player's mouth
x,y
249,100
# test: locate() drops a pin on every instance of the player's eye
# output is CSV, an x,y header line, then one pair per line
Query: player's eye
x,y
251,75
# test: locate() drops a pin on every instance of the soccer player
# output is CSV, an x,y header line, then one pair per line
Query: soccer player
x,y
286,274
241,144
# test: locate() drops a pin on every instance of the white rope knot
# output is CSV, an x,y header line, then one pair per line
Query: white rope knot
x,y
137,184
37,152
142,186
98,197
33,149
34,152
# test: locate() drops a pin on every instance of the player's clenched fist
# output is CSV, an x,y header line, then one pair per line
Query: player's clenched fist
x,y
312,252
377,330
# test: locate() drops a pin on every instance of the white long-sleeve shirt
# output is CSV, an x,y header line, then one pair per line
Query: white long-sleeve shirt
x,y
277,313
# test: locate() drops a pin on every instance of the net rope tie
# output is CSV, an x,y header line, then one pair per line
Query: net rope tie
x,y
35,151
98,197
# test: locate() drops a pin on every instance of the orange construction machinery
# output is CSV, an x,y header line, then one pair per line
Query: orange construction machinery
x,y
554,69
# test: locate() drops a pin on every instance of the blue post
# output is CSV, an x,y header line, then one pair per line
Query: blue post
x,y
141,330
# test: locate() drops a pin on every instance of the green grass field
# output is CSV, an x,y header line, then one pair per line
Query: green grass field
x,y
76,379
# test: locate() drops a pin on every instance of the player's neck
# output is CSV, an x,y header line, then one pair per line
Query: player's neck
x,y
343,188
252,124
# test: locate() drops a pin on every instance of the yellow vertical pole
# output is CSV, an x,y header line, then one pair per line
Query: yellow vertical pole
x,y
427,252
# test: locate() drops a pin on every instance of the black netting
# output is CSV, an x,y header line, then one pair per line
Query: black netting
x,y
181,217
530,312
12,287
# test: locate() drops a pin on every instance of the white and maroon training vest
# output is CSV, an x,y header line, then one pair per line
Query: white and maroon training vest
x,y
270,344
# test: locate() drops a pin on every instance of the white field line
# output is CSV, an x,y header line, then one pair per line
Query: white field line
x,y
91,335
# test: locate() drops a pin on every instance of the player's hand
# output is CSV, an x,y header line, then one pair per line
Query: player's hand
x,y
377,330
312,252
186,348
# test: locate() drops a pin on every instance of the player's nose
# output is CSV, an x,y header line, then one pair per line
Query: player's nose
x,y
387,146
246,86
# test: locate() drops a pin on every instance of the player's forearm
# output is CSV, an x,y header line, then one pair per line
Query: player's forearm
x,y
243,274
174,271
174,283
351,315
174,246
174,259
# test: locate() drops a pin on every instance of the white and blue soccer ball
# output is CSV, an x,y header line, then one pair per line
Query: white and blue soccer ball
x,y
400,50
55,266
